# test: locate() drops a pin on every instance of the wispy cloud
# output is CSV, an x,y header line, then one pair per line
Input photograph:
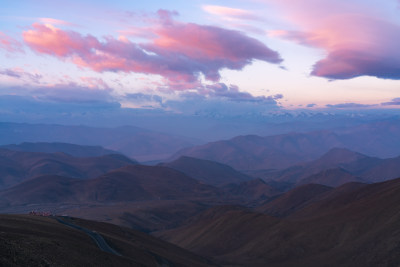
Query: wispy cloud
x,y
229,12
20,74
55,22
72,93
9,44
95,83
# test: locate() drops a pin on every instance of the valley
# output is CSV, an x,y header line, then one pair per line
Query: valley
x,y
339,208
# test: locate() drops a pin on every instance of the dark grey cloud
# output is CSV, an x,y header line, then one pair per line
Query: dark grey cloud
x,y
232,92
349,105
21,75
146,98
394,102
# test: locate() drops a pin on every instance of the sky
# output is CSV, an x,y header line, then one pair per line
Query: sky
x,y
79,58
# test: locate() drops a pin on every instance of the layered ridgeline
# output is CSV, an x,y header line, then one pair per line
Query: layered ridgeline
x,y
304,215
148,198
129,183
18,166
252,152
334,168
116,189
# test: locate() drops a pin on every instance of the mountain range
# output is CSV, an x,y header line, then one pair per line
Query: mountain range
x,y
336,167
207,171
331,210
252,152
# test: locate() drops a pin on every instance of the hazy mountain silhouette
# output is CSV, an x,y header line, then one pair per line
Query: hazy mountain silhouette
x,y
139,143
254,152
71,149
338,166
251,152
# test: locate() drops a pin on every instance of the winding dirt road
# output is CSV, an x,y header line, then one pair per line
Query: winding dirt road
x,y
98,239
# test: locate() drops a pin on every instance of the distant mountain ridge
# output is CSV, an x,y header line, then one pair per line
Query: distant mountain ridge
x,y
71,149
139,143
252,152
336,167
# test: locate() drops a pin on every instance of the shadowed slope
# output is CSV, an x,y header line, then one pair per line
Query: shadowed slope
x,y
254,190
293,200
130,183
17,166
207,171
39,241
148,182
331,177
354,226
386,169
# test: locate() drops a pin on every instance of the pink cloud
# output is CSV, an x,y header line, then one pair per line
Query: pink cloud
x,y
178,52
357,41
47,39
9,44
94,83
